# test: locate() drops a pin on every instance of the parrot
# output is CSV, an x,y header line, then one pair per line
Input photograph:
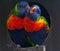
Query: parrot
x,y
36,25
15,24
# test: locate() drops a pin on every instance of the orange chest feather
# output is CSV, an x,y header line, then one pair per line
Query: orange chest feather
x,y
14,22
31,26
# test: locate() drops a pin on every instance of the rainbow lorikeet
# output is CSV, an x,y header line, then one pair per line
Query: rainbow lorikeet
x,y
15,24
36,26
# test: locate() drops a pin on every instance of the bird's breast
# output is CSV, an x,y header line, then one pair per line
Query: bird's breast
x,y
31,26
14,22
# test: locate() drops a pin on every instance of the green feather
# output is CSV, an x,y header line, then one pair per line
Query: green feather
x,y
42,17
29,40
15,11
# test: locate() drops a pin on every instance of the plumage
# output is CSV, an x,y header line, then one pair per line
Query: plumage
x,y
15,24
31,26
26,25
33,12
35,25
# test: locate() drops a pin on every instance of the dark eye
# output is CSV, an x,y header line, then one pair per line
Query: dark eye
x,y
34,9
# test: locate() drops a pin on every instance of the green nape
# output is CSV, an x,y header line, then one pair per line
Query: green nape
x,y
15,11
42,17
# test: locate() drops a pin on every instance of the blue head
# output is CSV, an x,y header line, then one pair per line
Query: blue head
x,y
33,12
22,7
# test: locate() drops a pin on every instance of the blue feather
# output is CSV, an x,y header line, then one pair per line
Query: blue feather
x,y
18,37
22,8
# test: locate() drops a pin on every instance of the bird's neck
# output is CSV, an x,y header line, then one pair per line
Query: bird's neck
x,y
34,17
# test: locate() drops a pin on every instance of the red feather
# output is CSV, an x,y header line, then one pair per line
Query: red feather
x,y
14,22
31,26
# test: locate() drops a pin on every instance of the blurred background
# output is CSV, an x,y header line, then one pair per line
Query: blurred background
x,y
53,40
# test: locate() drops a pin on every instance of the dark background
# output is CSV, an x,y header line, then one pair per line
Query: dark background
x,y
53,40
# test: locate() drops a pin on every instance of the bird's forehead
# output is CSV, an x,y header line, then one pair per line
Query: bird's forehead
x,y
23,3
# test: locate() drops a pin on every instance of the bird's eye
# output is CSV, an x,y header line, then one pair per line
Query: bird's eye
x,y
34,9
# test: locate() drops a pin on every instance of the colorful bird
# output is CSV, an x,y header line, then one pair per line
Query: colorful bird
x,y
15,24
36,25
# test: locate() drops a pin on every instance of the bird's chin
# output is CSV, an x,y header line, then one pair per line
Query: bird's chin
x,y
33,17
